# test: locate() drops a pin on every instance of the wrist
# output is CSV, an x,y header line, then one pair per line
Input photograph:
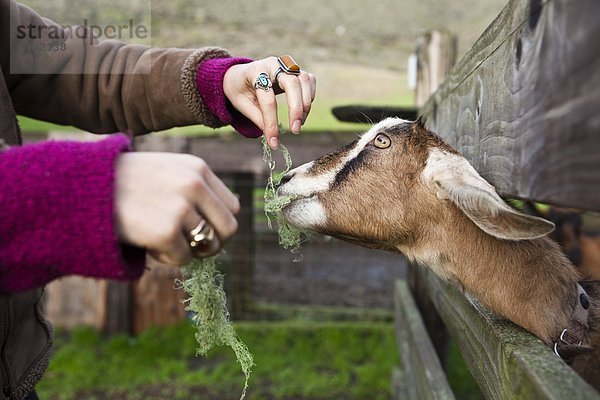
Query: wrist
x,y
210,83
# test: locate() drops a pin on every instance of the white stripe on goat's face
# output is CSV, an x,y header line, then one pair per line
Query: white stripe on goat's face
x,y
318,176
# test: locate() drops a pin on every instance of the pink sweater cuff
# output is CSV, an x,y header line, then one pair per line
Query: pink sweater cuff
x,y
57,214
209,81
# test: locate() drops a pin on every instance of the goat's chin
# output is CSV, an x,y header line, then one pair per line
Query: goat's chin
x,y
361,241
305,213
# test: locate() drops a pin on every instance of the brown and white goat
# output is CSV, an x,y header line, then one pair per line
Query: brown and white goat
x,y
402,188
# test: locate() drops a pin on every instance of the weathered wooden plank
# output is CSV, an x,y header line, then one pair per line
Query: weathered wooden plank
x,y
400,384
506,361
155,301
74,301
235,154
119,302
420,364
239,272
436,55
522,105
432,321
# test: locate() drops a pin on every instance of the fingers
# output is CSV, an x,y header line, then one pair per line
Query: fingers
x,y
161,197
178,250
300,91
268,108
220,190
210,197
260,106
309,88
293,89
306,96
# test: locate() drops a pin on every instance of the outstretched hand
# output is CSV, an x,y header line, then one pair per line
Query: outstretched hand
x,y
161,197
259,105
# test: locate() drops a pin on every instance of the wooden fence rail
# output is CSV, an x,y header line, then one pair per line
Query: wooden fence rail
x,y
522,104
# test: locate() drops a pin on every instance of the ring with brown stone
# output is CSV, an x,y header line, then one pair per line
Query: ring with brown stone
x,y
288,65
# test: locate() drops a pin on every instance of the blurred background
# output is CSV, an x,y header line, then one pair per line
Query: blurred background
x,y
320,328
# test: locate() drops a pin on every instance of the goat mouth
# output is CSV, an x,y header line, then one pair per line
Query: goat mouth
x,y
296,199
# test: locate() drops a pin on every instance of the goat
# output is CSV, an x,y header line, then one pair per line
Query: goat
x,y
403,189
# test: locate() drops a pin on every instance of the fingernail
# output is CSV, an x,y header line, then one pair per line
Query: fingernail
x,y
296,126
274,143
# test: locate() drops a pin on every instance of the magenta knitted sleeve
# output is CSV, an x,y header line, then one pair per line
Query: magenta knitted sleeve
x,y
56,214
209,81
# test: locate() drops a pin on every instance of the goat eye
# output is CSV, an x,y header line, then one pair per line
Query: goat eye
x,y
382,141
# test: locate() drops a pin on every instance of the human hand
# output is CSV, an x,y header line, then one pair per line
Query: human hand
x,y
161,197
259,105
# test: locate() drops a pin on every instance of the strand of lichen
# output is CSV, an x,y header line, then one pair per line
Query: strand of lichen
x,y
208,303
289,237
204,283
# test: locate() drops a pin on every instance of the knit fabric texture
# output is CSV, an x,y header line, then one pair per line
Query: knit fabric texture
x,y
189,89
209,81
57,214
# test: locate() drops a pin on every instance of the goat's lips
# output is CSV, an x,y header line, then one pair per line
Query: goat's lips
x,y
296,200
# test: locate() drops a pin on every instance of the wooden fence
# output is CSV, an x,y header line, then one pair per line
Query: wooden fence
x,y
522,106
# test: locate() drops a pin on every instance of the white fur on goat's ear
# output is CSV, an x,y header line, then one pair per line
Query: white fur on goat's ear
x,y
455,179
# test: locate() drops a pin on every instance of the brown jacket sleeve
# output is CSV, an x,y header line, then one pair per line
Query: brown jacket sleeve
x,y
100,87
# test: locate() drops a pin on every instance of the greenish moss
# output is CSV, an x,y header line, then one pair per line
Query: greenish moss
x,y
289,236
207,301
460,379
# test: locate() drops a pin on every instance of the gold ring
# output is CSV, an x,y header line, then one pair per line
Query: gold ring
x,y
201,237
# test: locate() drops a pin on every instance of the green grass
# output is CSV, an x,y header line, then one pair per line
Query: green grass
x,y
36,126
293,360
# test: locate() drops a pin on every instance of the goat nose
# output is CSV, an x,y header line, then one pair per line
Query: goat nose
x,y
285,179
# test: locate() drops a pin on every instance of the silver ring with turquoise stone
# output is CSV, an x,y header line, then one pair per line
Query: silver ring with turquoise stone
x,y
263,82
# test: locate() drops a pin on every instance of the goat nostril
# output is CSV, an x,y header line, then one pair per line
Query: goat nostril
x,y
285,179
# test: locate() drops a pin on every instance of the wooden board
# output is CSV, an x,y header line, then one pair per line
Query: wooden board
x,y
436,55
421,369
400,384
506,361
238,266
522,105
74,301
156,301
431,319
236,154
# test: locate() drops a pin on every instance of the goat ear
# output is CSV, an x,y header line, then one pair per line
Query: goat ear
x,y
457,181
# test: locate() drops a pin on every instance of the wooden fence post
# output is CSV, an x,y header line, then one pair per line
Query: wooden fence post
x,y
118,308
436,55
239,277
